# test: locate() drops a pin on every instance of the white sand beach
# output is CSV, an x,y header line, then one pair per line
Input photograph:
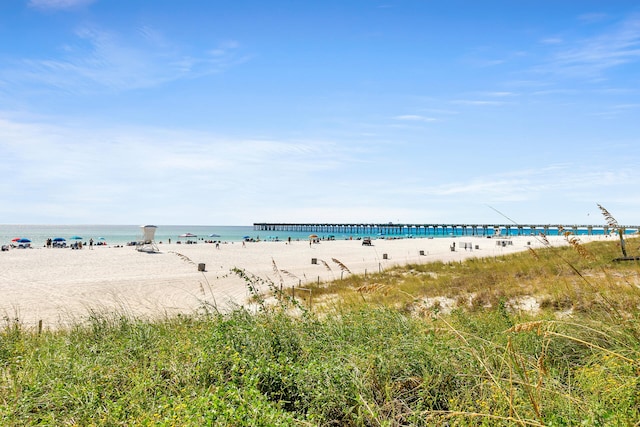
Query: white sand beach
x,y
59,286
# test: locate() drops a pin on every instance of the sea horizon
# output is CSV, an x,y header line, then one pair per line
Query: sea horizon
x,y
119,234
122,234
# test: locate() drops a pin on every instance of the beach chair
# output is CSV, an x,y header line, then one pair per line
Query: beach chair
x,y
147,242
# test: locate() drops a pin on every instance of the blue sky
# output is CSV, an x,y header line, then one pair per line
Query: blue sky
x,y
229,113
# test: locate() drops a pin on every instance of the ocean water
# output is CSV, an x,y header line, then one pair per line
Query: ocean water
x,y
119,234
123,234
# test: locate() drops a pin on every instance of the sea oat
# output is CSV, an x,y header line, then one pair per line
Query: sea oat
x,y
575,243
370,288
287,273
611,221
527,327
341,265
545,239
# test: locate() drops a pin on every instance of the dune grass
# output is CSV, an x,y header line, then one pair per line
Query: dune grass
x,y
371,351
577,277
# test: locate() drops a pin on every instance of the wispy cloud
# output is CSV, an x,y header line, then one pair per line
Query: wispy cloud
x,y
58,4
552,40
532,184
593,56
618,110
101,59
415,118
114,167
590,18
500,94
476,102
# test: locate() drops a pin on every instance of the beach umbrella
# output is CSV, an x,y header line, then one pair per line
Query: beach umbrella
x,y
15,239
23,240
313,236
101,238
246,237
59,239
76,238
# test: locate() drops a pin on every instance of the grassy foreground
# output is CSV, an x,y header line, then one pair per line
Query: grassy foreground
x,y
381,353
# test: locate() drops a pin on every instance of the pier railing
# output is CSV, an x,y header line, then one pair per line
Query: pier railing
x,y
393,229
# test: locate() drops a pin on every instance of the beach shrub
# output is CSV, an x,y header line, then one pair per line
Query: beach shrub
x,y
377,360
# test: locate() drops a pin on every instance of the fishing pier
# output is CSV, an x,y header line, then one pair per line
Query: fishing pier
x,y
392,229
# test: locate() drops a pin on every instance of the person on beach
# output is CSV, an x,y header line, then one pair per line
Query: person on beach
x,y
91,243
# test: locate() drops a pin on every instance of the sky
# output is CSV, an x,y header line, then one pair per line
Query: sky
x,y
407,111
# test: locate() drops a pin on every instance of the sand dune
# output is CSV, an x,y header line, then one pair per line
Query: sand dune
x,y
59,286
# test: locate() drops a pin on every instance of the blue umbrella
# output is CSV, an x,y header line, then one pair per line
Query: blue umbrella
x,y
23,240
59,239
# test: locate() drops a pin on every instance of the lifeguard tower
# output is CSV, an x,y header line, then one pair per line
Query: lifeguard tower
x,y
147,242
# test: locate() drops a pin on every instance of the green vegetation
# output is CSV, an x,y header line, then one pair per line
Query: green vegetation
x,y
374,351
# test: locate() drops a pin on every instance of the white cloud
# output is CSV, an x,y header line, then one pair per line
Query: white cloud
x,y
64,174
111,171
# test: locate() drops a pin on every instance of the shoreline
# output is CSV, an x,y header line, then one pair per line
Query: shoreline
x,y
61,286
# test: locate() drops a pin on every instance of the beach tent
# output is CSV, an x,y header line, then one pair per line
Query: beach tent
x,y
23,242
191,238
147,242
